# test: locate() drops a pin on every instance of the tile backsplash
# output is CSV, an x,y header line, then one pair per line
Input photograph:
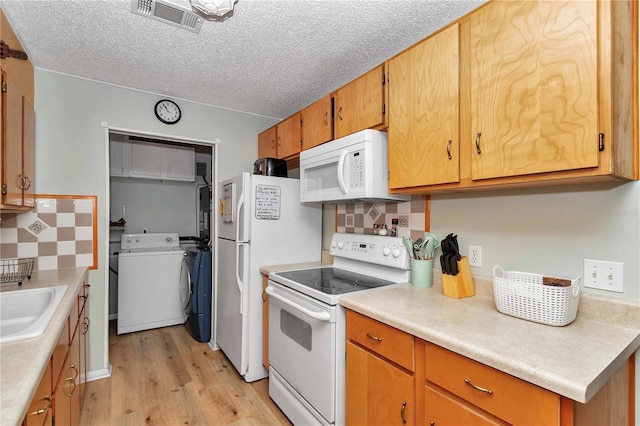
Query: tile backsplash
x,y
60,232
361,218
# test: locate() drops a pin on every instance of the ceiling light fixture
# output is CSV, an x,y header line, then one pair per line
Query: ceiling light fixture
x,y
214,10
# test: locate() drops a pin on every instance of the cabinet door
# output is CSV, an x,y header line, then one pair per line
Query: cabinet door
x,y
377,392
28,153
317,123
74,375
119,158
442,410
61,401
180,163
423,113
84,341
12,132
360,104
146,160
289,134
39,412
267,143
533,87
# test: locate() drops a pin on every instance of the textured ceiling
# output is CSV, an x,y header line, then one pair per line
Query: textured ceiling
x,y
272,58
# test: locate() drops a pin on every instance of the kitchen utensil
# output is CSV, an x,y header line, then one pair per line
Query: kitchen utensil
x,y
450,255
417,246
408,243
432,242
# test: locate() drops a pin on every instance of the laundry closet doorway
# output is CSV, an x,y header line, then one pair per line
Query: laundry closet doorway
x,y
156,184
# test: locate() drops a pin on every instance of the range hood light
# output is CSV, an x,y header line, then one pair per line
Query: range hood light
x,y
213,10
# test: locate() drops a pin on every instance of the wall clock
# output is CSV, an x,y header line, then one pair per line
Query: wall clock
x,y
167,111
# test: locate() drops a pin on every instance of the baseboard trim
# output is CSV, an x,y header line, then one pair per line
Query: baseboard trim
x,y
99,374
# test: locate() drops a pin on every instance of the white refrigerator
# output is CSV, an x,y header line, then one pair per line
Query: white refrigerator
x,y
260,222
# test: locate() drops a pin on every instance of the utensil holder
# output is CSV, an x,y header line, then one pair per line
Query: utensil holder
x,y
421,273
461,285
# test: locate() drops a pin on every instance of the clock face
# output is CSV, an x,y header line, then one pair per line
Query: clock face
x,y
168,111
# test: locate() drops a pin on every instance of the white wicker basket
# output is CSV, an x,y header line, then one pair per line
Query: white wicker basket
x,y
524,295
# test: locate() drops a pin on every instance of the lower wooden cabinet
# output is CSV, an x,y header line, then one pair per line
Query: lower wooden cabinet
x,y
39,412
393,377
58,399
379,391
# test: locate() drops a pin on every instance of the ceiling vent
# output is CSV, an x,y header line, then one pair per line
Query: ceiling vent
x,y
168,13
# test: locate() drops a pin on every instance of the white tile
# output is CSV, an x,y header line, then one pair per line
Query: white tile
x,y
26,219
404,207
27,249
50,234
65,220
84,259
46,205
341,229
83,206
342,209
358,208
416,221
66,247
8,235
46,263
84,233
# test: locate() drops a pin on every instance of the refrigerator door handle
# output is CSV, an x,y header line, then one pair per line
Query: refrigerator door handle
x,y
240,223
238,279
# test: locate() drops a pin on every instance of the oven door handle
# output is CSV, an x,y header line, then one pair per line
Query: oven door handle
x,y
320,316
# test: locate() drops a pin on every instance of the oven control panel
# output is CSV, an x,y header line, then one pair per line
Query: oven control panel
x,y
380,250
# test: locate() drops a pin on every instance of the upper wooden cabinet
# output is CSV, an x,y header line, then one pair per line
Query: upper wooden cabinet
x,y
423,112
17,127
282,140
360,104
534,87
317,123
267,143
547,94
288,136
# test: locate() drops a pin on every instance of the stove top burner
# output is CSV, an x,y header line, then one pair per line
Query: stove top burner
x,y
333,281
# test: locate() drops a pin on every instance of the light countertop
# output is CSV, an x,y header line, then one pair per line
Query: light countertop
x,y
23,362
574,361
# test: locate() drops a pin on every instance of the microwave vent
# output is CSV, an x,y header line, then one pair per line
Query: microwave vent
x,y
168,13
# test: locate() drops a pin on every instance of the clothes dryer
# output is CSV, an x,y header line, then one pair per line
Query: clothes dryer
x,y
196,292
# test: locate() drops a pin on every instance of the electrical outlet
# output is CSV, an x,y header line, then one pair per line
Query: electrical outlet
x,y
475,256
604,275
403,221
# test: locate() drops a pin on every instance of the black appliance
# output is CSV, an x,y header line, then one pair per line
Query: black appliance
x,y
270,167
198,306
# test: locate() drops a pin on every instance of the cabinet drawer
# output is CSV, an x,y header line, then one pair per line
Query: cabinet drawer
x,y
441,409
502,395
391,343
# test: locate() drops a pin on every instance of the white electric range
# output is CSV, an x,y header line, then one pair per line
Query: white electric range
x,y
307,324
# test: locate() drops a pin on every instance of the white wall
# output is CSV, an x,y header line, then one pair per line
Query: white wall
x,y
70,152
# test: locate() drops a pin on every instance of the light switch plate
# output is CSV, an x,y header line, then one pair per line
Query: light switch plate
x,y
604,275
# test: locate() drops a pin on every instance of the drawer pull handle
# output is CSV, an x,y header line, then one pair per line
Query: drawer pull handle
x,y
449,150
489,391
377,339
478,150
42,410
404,406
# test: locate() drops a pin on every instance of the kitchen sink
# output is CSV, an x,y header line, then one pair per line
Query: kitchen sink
x,y
27,313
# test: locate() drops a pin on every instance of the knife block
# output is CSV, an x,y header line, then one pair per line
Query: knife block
x,y
461,285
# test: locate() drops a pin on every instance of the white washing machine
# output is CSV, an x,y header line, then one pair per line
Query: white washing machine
x,y
149,282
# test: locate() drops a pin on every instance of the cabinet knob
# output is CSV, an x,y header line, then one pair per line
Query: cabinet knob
x,y
325,118
404,406
27,183
340,113
278,140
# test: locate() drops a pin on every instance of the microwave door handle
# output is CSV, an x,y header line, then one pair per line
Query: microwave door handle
x,y
341,182
320,316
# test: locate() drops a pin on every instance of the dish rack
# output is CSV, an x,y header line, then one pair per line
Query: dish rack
x,y
15,270
534,297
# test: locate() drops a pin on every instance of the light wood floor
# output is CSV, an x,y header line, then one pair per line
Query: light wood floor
x,y
165,377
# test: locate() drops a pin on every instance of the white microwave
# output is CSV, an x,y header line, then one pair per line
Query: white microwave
x,y
347,170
